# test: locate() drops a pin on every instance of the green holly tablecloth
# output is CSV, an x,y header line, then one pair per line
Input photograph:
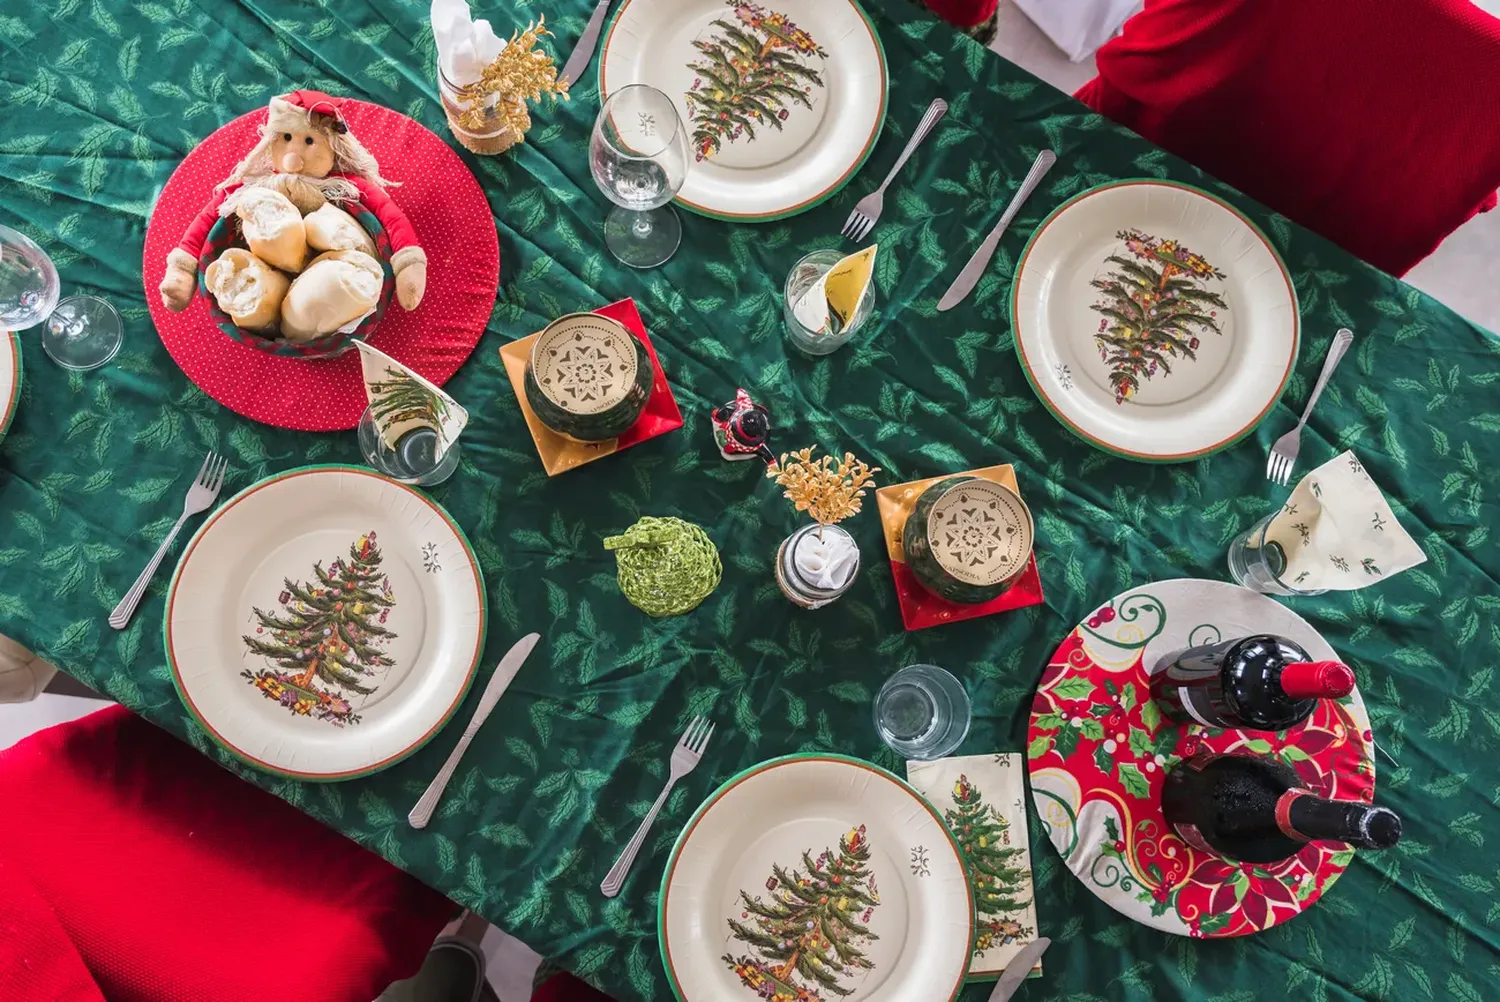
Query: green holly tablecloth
x,y
103,98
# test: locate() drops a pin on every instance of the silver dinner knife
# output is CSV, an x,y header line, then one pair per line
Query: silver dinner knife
x,y
504,672
969,277
1015,972
584,50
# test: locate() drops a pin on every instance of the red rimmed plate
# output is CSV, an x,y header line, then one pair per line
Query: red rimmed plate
x,y
454,225
1099,751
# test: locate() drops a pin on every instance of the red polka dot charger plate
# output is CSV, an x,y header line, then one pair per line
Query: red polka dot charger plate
x,y
453,222
1099,750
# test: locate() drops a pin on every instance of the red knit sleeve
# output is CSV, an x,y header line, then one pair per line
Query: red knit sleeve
x,y
397,226
197,231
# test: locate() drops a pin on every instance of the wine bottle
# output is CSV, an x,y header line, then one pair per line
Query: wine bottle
x,y
1256,810
1261,683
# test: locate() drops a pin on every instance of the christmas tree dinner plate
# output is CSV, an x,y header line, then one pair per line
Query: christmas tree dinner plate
x,y
1154,320
813,878
782,100
325,622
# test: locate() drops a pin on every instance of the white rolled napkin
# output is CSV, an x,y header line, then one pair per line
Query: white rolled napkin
x,y
465,46
827,562
1339,533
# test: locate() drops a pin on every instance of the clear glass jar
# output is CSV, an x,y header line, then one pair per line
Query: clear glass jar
x,y
922,712
803,274
794,565
414,460
1258,563
494,136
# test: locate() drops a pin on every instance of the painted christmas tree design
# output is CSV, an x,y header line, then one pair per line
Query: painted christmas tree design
x,y
1154,309
747,72
328,630
400,398
809,931
999,883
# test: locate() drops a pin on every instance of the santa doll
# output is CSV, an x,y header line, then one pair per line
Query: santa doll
x,y
307,153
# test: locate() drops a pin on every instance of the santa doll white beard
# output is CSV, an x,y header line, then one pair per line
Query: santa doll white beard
x,y
334,189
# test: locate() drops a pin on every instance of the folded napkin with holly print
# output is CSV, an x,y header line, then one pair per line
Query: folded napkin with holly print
x,y
1338,533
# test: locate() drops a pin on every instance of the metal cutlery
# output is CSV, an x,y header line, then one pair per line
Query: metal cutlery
x,y
504,673
200,497
1020,965
969,277
1284,453
587,42
684,758
867,212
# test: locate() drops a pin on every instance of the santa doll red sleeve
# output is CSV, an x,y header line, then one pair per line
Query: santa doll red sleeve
x,y
306,152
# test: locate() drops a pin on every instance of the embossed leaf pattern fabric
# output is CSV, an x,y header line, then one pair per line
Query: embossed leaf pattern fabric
x,y
104,97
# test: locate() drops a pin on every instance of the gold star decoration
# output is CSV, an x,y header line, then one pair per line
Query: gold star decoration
x,y
829,491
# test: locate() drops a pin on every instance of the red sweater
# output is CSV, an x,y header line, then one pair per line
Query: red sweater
x,y
397,227
1372,123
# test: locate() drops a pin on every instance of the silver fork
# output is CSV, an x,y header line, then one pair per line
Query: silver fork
x,y
200,496
684,757
867,212
1284,453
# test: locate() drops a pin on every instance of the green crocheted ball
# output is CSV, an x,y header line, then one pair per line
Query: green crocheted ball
x,y
666,566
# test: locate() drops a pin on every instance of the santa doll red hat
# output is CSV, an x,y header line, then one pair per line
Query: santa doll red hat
x,y
307,152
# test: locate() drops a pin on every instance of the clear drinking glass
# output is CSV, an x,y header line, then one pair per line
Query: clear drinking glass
x,y
82,332
803,274
639,157
922,712
1257,563
413,460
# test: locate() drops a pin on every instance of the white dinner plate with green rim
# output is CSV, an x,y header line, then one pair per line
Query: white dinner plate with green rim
x,y
782,99
325,622
10,378
1154,320
811,872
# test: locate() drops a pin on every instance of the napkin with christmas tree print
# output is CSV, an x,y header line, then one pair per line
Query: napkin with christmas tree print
x,y
981,800
401,400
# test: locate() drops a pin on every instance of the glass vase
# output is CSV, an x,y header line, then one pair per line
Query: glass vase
x,y
801,555
493,135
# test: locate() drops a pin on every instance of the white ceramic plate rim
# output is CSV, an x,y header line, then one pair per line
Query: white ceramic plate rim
x,y
820,169
10,378
206,673
1268,326
939,945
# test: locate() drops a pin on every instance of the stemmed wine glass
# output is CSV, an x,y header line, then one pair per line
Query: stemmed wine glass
x,y
82,332
639,156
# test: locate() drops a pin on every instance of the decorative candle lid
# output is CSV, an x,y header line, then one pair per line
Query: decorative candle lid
x,y
980,532
584,363
666,566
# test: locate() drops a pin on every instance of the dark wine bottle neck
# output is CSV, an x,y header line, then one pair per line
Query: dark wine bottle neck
x,y
1304,817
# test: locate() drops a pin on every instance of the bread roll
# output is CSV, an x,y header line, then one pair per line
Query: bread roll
x,y
327,296
247,288
355,257
331,228
272,227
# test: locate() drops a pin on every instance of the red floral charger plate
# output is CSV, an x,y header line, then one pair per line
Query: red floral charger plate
x,y
560,454
1099,750
453,222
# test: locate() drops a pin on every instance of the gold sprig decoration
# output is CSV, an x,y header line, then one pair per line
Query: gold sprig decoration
x,y
520,73
829,493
